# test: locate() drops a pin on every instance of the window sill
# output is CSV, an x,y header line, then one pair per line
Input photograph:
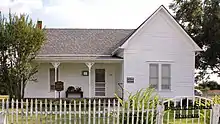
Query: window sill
x,y
164,90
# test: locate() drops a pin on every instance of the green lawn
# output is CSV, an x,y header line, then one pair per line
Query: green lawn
x,y
46,119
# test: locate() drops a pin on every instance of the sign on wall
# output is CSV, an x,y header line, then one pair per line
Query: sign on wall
x,y
130,79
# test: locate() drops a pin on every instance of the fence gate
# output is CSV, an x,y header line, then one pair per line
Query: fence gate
x,y
189,110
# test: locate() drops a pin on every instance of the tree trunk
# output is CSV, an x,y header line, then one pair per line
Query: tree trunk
x,y
23,89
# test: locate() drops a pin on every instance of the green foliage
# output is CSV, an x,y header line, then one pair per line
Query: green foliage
x,y
216,99
146,98
209,85
201,20
20,41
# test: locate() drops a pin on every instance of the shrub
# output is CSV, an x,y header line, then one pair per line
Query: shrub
x,y
147,97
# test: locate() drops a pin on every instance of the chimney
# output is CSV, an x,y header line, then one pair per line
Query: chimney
x,y
39,24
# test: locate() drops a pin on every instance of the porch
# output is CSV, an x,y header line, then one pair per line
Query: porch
x,y
97,79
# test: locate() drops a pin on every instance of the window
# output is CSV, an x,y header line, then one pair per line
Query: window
x,y
52,78
160,76
154,76
100,82
165,82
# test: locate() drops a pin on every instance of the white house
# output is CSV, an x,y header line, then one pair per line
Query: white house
x,y
158,53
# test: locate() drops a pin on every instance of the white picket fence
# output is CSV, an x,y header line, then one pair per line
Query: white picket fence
x,y
96,111
110,111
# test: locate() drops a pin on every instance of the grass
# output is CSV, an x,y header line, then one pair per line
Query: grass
x,y
44,119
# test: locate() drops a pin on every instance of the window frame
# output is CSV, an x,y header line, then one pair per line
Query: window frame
x,y
159,63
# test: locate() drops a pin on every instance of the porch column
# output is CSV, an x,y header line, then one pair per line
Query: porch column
x,y
55,65
89,65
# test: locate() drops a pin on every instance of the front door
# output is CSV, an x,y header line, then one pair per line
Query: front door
x,y
100,83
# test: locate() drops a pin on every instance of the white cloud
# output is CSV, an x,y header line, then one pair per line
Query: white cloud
x,y
86,13
20,6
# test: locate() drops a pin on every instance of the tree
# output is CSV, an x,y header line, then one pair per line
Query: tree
x,y
210,85
20,41
201,20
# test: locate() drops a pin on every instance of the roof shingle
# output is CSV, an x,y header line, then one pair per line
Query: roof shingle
x,y
83,41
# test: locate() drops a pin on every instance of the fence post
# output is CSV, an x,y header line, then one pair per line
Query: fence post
x,y
26,117
12,111
94,111
99,111
216,115
160,110
70,112
3,119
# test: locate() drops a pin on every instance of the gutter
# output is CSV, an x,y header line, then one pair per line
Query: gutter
x,y
72,55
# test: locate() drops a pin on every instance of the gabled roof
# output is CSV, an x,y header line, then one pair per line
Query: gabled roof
x,y
95,42
82,41
195,46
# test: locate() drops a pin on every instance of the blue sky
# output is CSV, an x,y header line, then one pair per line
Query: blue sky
x,y
85,13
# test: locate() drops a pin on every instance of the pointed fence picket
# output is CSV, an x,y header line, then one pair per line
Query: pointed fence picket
x,y
101,111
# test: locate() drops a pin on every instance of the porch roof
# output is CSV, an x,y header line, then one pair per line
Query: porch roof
x,y
66,58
